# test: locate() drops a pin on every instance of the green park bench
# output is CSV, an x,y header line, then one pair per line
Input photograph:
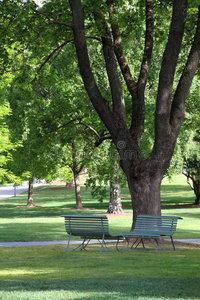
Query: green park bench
x,y
89,227
151,228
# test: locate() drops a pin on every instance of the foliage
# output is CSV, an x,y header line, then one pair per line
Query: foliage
x,y
35,156
6,145
101,171
192,167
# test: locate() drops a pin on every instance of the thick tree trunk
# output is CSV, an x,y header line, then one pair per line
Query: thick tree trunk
x,y
144,178
115,205
30,193
145,195
78,192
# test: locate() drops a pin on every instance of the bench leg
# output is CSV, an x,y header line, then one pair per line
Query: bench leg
x,y
159,247
138,242
172,243
103,245
126,248
81,246
67,249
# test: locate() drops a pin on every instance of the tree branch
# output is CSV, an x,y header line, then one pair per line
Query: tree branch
x,y
50,55
136,89
147,49
50,21
99,103
89,127
178,104
138,101
188,181
59,23
111,66
169,62
93,37
119,50
63,125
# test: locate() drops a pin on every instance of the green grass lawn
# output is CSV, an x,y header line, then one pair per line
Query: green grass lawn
x,y
48,272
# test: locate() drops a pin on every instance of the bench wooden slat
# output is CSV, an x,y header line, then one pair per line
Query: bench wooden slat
x,y
89,227
154,225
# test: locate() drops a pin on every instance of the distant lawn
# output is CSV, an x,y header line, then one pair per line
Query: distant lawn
x,y
177,191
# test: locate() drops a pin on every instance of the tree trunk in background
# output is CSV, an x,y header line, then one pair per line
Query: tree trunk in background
x,y
69,184
76,169
78,192
30,193
196,184
115,205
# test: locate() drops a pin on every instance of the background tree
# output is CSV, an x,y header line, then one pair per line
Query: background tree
x,y
191,167
103,171
6,144
36,156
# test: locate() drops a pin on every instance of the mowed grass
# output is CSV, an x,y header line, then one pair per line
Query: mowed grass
x,y
48,272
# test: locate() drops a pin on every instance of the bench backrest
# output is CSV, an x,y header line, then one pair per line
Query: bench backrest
x,y
86,225
165,225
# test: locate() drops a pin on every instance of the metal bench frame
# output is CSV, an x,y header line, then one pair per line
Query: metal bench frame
x,y
89,227
151,228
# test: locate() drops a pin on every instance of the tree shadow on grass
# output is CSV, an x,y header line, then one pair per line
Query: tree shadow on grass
x,y
108,288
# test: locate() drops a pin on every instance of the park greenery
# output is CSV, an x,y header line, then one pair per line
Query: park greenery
x,y
111,87
68,89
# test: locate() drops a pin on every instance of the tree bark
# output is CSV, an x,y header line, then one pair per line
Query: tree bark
x,y
115,205
76,171
77,191
196,184
69,184
145,194
30,193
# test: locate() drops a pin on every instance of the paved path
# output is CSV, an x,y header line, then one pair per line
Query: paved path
x,y
41,243
47,243
8,191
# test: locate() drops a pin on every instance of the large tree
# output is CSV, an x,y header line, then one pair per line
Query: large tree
x,y
92,24
144,175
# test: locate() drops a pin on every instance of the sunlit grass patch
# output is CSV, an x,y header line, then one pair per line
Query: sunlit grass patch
x,y
49,272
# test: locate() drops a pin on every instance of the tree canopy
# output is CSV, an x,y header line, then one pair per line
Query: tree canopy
x,y
137,60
